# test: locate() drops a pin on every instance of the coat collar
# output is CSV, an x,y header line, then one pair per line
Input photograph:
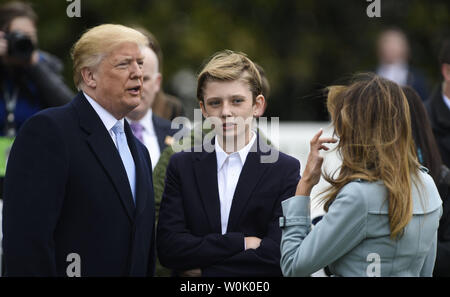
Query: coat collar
x,y
99,140
205,169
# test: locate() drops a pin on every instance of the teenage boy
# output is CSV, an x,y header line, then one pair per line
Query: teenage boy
x,y
220,208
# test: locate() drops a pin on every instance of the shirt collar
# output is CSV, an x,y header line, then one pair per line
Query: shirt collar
x,y
397,72
222,156
107,118
146,121
394,67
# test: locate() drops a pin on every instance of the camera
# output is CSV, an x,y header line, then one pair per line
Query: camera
x,y
19,45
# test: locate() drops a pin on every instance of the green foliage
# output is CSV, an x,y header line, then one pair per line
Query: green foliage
x,y
303,45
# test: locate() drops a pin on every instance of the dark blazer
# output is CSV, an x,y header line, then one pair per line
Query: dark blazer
x,y
439,115
189,228
442,264
418,82
66,191
162,130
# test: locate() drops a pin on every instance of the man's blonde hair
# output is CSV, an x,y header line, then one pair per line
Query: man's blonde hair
x,y
97,42
229,66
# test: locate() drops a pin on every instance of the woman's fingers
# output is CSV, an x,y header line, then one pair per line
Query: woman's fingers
x,y
317,141
316,137
327,140
319,144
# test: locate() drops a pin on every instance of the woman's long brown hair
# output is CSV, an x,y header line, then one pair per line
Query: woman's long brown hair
x,y
372,119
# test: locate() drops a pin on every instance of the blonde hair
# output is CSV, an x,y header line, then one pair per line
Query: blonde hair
x,y
229,66
372,119
97,42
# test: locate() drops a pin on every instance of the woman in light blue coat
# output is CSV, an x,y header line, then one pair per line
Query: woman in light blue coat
x,y
383,208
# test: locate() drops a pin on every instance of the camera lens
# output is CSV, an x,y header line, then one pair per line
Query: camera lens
x,y
19,45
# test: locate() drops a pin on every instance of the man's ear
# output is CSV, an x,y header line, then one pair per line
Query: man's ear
x,y
445,70
88,77
202,107
158,82
258,107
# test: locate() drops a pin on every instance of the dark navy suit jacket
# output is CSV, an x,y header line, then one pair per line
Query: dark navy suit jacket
x,y
66,191
189,228
162,130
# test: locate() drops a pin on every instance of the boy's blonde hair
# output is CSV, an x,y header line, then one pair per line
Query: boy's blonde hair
x,y
229,66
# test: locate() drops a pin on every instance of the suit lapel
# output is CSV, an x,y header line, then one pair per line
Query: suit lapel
x,y
442,111
103,147
160,133
143,177
206,175
250,175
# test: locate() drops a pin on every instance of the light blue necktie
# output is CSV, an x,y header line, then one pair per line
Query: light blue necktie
x,y
125,155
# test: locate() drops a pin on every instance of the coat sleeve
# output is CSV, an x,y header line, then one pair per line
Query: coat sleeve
x,y
54,92
177,247
159,174
34,190
305,251
265,260
428,265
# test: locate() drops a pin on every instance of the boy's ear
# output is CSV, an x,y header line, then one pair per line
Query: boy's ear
x,y
258,107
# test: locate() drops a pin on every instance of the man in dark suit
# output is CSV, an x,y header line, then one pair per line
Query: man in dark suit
x,y
153,131
438,106
393,53
222,202
78,187
164,105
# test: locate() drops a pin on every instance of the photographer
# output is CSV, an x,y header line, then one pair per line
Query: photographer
x,y
29,78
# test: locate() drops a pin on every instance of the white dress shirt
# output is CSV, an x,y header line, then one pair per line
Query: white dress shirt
x,y
229,167
398,73
108,119
149,137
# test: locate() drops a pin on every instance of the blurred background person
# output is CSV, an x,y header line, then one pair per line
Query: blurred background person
x,y
153,131
30,79
164,105
438,106
428,155
393,61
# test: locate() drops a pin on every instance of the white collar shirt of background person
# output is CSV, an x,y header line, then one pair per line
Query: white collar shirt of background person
x,y
107,118
396,72
149,137
446,100
229,167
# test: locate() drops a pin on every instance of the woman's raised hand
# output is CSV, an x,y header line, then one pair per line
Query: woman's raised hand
x,y
313,169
